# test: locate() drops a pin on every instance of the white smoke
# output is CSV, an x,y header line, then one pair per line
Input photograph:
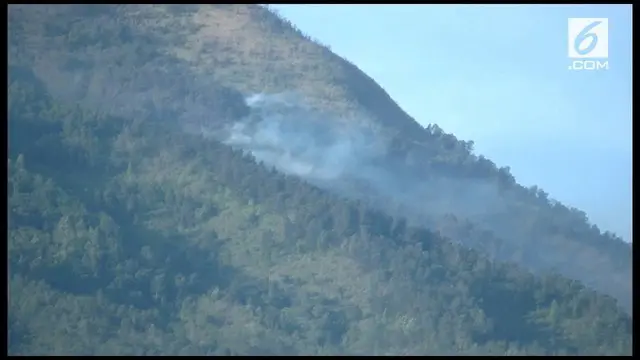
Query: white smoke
x,y
282,132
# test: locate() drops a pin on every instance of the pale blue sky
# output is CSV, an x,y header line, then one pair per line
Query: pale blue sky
x,y
499,75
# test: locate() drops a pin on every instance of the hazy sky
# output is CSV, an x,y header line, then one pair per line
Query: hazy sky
x,y
498,75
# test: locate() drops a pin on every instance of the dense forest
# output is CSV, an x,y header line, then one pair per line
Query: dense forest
x,y
185,62
130,237
131,233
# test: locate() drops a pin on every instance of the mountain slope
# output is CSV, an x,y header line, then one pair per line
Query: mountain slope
x,y
185,63
131,237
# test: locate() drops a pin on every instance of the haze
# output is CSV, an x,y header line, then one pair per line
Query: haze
x,y
498,75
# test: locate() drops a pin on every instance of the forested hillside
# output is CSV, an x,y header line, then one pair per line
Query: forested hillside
x,y
183,63
128,236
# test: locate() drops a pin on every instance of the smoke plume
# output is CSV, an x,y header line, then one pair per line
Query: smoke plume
x,y
347,157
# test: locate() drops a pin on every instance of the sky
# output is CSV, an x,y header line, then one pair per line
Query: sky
x,y
498,75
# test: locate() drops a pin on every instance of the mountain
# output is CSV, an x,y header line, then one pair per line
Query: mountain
x,y
143,220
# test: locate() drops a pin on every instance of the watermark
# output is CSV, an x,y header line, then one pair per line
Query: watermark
x,y
588,44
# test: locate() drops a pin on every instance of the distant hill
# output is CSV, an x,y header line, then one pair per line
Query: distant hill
x,y
131,233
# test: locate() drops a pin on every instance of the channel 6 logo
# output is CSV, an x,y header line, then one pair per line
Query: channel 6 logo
x,y
588,40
